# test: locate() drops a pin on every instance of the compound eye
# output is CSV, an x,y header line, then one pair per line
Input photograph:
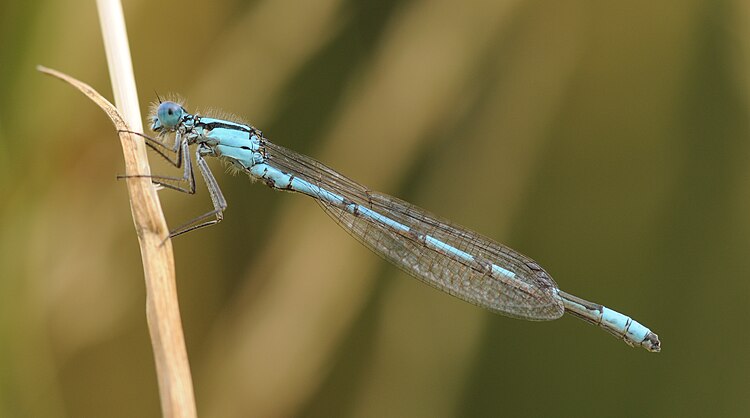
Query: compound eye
x,y
169,115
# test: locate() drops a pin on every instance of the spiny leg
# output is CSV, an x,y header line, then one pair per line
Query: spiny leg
x,y
188,177
217,198
182,148
160,147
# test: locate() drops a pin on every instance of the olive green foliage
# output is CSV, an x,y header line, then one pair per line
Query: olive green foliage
x,y
607,140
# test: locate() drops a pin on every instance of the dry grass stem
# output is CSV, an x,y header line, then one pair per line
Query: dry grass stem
x,y
173,370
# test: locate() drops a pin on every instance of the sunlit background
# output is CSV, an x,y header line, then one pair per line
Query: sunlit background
x,y
608,141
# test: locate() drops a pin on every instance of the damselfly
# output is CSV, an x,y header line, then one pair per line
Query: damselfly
x,y
440,253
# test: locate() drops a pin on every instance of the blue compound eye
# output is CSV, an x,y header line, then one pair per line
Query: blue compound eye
x,y
169,115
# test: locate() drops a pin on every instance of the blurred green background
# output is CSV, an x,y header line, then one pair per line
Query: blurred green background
x,y
607,141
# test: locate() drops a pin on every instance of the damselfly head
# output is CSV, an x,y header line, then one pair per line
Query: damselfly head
x,y
168,116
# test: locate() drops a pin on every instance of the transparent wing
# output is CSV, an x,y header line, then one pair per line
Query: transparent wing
x,y
534,297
